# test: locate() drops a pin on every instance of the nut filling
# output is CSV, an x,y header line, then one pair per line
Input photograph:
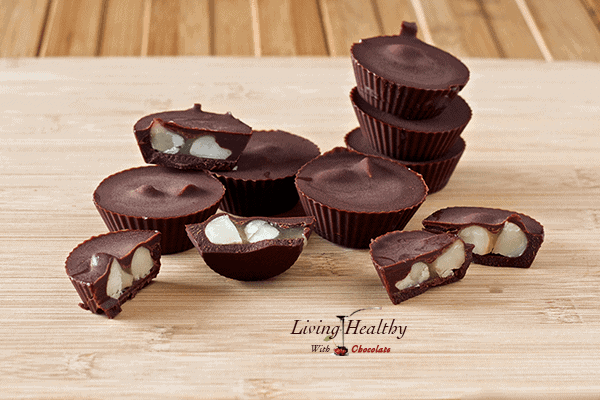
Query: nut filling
x,y
443,266
169,142
119,278
223,230
509,242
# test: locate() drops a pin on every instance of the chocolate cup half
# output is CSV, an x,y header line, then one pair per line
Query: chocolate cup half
x,y
436,173
351,226
410,140
251,261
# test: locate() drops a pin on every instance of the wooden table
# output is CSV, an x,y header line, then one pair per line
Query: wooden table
x,y
532,146
513,29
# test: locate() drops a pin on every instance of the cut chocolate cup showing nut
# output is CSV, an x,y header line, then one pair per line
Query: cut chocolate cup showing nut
x,y
501,238
262,183
409,140
404,76
411,262
250,249
158,198
109,269
192,139
436,173
356,197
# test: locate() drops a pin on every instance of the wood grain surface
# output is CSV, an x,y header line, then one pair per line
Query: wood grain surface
x,y
532,146
532,29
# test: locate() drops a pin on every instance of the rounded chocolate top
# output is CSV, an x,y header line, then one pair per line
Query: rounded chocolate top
x,y
195,118
401,246
118,244
355,140
273,155
407,61
457,114
351,181
158,192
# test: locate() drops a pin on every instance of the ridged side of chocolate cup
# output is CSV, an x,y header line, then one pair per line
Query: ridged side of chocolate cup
x,y
174,237
354,229
249,198
436,173
404,101
402,144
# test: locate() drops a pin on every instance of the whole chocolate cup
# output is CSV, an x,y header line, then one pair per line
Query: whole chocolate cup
x,y
263,182
252,261
436,173
351,228
407,144
404,100
174,238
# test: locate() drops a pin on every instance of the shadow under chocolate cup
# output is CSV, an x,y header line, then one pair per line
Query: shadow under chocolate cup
x,y
405,76
356,197
436,173
158,198
411,140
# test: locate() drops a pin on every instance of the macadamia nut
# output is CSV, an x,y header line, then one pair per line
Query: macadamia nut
x,y
118,280
141,263
509,242
452,258
222,230
164,140
419,273
207,147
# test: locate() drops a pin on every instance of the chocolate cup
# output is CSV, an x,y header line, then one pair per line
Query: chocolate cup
x,y
409,91
404,101
355,229
400,143
436,173
174,237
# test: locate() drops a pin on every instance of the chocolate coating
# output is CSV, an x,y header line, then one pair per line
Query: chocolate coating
x,y
251,261
453,219
228,132
90,281
263,181
394,254
348,180
406,60
158,192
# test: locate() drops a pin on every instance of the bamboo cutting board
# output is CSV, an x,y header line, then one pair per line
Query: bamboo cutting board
x,y
532,146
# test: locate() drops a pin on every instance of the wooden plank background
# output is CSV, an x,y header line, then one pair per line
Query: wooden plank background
x,y
532,146
530,29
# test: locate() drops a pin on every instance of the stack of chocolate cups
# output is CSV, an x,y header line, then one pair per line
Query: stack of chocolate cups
x,y
407,104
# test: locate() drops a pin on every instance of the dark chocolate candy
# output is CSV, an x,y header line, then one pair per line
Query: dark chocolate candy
x,y
250,249
262,183
411,262
109,269
411,140
355,197
455,219
404,76
155,197
192,139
